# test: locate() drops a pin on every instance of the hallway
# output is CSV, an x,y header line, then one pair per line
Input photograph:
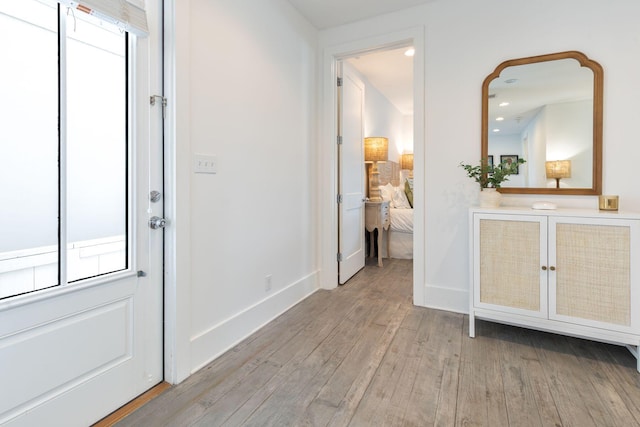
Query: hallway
x,y
363,355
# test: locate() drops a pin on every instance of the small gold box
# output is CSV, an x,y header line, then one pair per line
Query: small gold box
x,y
608,203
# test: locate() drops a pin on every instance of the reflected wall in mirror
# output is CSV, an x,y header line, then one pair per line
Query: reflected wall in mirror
x,y
544,109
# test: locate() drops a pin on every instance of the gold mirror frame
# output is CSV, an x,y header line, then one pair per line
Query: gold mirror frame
x,y
596,188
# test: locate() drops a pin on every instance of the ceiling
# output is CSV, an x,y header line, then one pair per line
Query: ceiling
x,y
331,13
526,88
391,72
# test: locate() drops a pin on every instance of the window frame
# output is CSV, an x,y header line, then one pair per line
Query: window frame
x,y
63,285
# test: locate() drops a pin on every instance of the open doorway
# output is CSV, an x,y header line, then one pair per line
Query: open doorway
x,y
329,160
380,108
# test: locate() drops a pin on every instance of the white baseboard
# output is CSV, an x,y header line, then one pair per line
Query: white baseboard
x,y
450,299
212,343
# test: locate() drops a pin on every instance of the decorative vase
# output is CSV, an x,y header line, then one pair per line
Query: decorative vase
x,y
490,198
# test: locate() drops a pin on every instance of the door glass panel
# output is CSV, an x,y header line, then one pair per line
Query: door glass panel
x,y
96,148
28,146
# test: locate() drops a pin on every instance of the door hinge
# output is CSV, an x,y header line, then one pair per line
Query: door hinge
x,y
339,198
339,139
152,101
339,257
339,81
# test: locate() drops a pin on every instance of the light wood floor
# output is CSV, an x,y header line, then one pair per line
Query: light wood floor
x,y
363,355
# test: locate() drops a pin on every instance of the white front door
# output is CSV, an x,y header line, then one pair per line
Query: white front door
x,y
351,177
80,270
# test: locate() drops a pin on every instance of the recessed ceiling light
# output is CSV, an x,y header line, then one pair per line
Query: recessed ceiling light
x,y
503,104
410,52
499,119
496,130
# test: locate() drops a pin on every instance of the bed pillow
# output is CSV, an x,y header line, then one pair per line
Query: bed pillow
x,y
408,190
410,181
399,200
386,192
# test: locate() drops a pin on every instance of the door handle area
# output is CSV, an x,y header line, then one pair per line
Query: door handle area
x,y
155,222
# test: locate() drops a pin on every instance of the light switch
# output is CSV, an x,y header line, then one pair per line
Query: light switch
x,y
205,164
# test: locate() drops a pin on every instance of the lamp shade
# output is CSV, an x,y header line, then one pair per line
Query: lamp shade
x,y
558,168
376,149
406,161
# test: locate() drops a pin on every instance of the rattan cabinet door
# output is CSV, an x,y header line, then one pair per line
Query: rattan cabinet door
x,y
510,253
590,277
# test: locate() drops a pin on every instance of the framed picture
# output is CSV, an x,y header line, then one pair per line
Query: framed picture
x,y
490,160
510,159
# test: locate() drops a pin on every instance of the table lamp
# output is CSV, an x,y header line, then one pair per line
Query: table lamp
x,y
376,149
558,169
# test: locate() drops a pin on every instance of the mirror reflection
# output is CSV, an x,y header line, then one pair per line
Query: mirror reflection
x,y
547,110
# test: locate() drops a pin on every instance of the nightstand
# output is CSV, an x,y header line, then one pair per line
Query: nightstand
x,y
376,216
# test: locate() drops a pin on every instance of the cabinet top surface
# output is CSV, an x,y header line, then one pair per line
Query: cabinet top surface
x,y
517,210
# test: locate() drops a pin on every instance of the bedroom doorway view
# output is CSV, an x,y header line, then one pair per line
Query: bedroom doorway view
x,y
376,100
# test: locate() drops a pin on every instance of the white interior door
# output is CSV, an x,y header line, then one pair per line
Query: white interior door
x,y
80,317
351,185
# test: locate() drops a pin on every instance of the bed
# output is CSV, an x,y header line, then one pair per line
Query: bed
x,y
400,235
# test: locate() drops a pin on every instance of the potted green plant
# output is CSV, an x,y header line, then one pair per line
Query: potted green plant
x,y
490,177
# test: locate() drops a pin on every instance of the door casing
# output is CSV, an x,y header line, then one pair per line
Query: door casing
x,y
329,162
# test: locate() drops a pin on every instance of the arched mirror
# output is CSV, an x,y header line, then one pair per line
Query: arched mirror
x,y
547,110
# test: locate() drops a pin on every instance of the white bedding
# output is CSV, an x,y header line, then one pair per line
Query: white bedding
x,y
400,235
401,220
400,245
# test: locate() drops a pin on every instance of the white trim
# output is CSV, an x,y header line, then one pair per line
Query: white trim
x,y
210,344
59,291
177,242
170,280
327,154
62,151
447,298
134,135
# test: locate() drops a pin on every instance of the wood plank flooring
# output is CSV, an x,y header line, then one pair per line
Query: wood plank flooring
x,y
363,355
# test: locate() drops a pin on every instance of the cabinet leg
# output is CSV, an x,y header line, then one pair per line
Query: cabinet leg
x,y
633,349
388,252
472,325
380,231
372,245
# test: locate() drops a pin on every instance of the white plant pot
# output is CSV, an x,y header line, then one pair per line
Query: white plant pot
x,y
490,198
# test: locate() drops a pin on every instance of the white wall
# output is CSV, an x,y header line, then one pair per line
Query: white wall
x,y
245,92
245,89
557,132
464,41
407,133
535,146
568,139
381,118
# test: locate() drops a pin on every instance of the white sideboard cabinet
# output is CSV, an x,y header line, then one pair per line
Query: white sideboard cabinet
x,y
572,272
